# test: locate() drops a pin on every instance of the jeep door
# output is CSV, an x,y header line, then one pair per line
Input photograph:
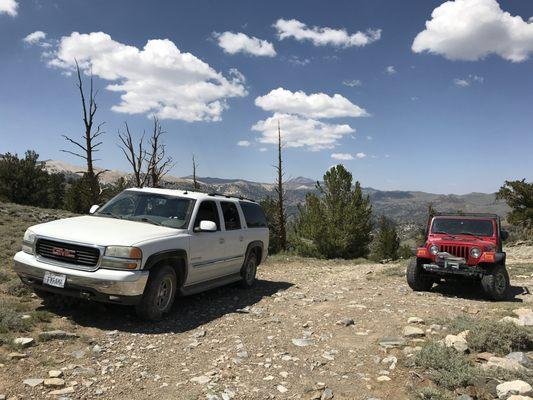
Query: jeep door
x,y
207,249
234,234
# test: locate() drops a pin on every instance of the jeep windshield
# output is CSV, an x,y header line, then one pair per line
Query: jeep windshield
x,y
458,226
151,208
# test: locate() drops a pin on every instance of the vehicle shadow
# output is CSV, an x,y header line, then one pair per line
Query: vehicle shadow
x,y
187,314
471,291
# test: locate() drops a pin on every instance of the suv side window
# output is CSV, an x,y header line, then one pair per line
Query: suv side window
x,y
207,211
254,215
231,216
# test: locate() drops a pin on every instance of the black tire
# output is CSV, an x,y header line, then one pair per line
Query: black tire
x,y
496,283
249,270
417,279
159,294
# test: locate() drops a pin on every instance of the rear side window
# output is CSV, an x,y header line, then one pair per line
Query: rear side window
x,y
254,215
231,216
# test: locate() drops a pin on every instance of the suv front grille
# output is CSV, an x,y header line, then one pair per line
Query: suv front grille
x,y
69,253
457,251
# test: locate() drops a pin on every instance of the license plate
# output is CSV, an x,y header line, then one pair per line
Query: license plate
x,y
57,280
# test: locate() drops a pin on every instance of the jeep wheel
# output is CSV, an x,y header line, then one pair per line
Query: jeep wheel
x,y
416,278
159,294
495,282
249,269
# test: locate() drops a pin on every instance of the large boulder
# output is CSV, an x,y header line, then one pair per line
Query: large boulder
x,y
504,390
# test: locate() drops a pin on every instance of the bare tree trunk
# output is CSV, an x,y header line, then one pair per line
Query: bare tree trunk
x,y
158,163
281,197
89,144
136,156
194,181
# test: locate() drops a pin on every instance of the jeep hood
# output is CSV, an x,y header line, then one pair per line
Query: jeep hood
x,y
102,231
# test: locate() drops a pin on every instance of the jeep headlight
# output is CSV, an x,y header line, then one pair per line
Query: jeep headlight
x,y
28,241
475,252
122,257
434,249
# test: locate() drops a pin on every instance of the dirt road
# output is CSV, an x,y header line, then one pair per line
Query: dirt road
x,y
307,325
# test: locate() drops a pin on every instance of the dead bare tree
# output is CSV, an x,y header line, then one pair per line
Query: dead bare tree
x,y
136,155
159,164
89,143
282,218
194,166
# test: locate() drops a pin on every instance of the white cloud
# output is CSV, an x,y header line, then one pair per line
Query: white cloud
x,y
233,43
369,137
322,36
342,156
468,81
352,83
263,149
157,79
34,37
300,62
473,29
243,143
390,70
297,131
9,7
315,105
360,155
461,82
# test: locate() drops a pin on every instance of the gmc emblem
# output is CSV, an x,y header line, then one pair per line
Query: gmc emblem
x,y
60,252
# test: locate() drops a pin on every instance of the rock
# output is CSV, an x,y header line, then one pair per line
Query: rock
x,y
78,354
327,394
60,392
33,382
512,320
464,397
54,382
506,389
392,341
57,334
96,349
302,342
518,397
16,356
202,379
484,356
345,322
415,320
282,389
55,373
525,316
413,332
519,357
458,342
504,363
24,342
383,378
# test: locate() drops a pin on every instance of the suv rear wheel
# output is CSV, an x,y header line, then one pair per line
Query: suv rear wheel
x,y
495,282
416,278
159,294
249,270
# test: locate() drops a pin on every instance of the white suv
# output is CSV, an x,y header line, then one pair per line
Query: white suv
x,y
145,246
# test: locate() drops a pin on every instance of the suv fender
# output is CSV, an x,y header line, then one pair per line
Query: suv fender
x,y
251,247
176,258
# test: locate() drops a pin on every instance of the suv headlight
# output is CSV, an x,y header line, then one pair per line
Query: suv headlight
x,y
28,241
434,249
122,257
475,252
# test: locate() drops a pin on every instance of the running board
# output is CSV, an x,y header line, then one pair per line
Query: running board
x,y
208,285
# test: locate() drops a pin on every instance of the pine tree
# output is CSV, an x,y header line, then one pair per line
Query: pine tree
x,y
386,241
336,223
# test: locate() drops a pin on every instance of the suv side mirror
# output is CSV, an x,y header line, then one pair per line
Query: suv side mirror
x,y
94,208
207,226
504,235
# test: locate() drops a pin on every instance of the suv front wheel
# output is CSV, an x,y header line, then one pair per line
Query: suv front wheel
x,y
159,294
496,282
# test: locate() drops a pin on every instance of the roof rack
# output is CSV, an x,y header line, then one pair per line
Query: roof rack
x,y
228,196
461,214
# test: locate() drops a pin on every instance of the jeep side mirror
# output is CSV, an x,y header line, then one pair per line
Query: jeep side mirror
x,y
504,235
207,226
94,208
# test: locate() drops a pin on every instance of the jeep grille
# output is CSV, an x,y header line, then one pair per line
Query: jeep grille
x,y
457,251
83,256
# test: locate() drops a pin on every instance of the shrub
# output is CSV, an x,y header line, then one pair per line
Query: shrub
x,y
17,289
446,366
499,337
429,393
10,318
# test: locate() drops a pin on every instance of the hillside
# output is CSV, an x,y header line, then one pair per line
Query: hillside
x,y
403,206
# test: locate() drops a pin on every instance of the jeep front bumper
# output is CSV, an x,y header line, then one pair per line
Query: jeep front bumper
x,y
106,285
454,269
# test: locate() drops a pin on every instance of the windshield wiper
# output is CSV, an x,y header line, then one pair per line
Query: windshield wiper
x,y
147,220
108,214
470,234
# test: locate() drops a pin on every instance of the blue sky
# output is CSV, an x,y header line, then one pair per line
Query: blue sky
x,y
454,114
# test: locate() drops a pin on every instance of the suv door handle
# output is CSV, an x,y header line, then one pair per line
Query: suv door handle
x,y
241,238
221,240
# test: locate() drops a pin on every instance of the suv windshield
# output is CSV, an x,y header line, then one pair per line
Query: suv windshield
x,y
457,226
157,209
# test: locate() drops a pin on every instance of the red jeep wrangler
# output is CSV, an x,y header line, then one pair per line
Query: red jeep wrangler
x,y
465,246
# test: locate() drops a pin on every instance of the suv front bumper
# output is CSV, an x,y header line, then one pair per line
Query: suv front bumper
x,y
106,285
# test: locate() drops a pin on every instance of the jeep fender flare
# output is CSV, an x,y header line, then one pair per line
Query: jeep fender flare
x,y
177,258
